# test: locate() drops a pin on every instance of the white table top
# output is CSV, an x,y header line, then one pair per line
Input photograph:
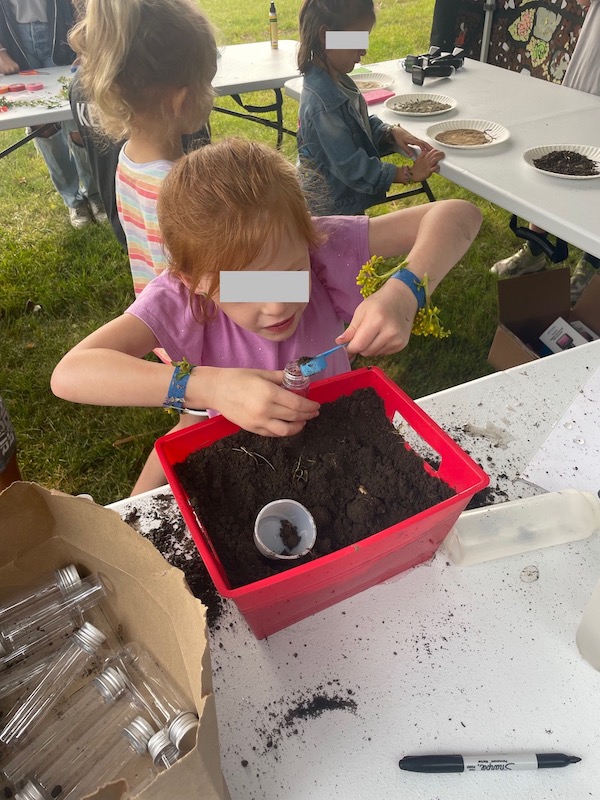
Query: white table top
x,y
241,68
439,659
535,112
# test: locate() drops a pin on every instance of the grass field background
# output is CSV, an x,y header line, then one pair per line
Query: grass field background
x,y
81,279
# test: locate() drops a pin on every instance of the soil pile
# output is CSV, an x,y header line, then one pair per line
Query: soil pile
x,y
567,162
349,467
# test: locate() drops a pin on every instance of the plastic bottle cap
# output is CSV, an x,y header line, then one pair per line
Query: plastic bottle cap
x,y
138,733
162,750
67,578
110,683
30,792
88,637
179,729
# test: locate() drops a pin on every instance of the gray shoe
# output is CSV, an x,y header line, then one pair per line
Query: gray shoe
x,y
80,216
97,209
520,263
583,274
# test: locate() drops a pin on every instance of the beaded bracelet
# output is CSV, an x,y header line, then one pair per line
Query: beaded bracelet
x,y
407,176
414,283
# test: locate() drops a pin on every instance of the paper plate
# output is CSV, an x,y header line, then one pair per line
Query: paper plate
x,y
497,132
438,98
592,153
365,80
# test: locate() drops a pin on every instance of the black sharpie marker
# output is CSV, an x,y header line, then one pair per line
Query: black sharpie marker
x,y
500,763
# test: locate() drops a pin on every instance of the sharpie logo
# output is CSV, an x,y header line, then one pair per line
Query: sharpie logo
x,y
507,766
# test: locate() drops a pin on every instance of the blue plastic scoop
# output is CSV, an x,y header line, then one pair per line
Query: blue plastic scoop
x,y
318,363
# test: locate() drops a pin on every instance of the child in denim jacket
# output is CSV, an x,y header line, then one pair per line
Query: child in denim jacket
x,y
337,139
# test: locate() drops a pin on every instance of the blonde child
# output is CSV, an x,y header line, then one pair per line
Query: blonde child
x,y
337,139
237,205
147,67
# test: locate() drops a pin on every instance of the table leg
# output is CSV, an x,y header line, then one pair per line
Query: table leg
x,y
252,110
26,139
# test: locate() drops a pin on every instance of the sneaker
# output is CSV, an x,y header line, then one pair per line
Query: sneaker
x,y
520,263
97,210
583,274
80,215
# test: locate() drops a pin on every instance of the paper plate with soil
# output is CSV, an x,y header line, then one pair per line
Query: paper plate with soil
x,y
367,81
468,134
578,162
420,104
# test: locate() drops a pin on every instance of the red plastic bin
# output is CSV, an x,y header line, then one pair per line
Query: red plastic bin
x,y
274,603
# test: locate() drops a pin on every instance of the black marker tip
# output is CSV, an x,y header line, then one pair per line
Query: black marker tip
x,y
574,759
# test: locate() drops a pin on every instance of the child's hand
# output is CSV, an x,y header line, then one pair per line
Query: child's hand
x,y
382,323
426,164
404,140
255,400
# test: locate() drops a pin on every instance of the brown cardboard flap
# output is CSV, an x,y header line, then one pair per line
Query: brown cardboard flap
x,y
508,350
147,598
587,308
541,296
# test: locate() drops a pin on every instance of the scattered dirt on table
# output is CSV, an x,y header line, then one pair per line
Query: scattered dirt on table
x,y
348,466
158,519
464,136
567,162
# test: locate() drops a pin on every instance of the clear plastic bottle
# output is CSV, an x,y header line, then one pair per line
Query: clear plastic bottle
x,y
158,695
273,26
111,752
44,646
293,379
68,665
588,632
518,526
24,630
56,584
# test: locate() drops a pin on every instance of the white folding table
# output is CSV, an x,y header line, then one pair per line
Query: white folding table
x,y
535,112
241,68
439,659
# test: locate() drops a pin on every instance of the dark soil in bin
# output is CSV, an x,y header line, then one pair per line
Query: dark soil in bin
x,y
349,467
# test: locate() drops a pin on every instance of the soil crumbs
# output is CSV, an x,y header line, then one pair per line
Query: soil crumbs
x,y
349,467
158,520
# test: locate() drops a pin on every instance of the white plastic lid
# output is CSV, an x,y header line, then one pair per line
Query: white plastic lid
x,y
110,683
181,727
138,734
30,792
162,750
67,578
88,637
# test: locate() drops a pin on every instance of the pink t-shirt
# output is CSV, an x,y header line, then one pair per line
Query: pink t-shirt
x,y
164,307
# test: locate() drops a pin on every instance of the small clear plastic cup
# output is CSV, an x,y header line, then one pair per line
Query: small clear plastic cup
x,y
267,529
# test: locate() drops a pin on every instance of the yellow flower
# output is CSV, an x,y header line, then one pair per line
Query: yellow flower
x,y
427,321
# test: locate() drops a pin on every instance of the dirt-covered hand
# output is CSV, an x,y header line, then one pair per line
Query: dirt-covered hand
x,y
255,400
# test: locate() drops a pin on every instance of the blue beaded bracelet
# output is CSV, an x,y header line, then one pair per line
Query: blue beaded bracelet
x,y
414,284
179,381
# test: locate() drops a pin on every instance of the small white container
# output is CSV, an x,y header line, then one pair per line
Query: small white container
x,y
588,632
267,529
519,526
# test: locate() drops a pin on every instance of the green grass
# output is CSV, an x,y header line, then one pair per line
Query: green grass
x,y
81,279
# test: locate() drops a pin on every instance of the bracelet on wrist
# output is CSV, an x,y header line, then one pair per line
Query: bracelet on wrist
x,y
414,283
407,175
179,381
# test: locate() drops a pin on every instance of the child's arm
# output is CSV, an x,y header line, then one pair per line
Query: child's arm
x,y
435,236
107,368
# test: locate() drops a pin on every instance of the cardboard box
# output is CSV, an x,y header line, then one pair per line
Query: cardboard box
x,y
149,602
528,305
